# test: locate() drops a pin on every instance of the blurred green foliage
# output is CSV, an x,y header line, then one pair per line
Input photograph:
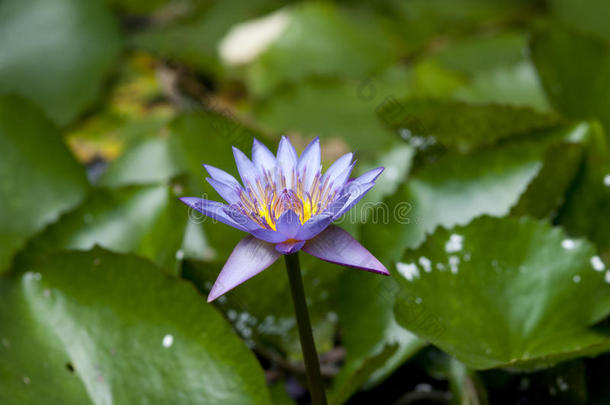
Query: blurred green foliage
x,y
492,118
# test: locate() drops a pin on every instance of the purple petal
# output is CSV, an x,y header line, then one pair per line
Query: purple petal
x,y
314,226
337,167
230,193
334,245
288,224
212,209
262,157
340,180
221,175
240,218
287,160
356,192
268,235
287,248
368,177
250,257
318,223
247,170
309,162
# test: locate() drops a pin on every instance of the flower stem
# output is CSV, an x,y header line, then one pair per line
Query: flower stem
x,y
312,365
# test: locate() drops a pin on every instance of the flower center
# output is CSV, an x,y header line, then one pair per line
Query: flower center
x,y
271,196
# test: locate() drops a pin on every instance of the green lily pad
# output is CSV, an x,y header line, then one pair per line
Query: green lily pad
x,y
111,328
455,189
37,183
57,53
461,126
193,39
515,292
147,220
350,48
573,68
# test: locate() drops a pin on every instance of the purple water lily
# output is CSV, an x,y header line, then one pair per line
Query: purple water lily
x,y
286,204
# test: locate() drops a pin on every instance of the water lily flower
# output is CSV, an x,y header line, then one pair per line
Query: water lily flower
x,y
286,204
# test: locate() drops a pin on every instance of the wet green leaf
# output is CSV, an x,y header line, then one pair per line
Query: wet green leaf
x,y
147,220
453,190
39,177
456,189
57,53
110,328
461,126
493,270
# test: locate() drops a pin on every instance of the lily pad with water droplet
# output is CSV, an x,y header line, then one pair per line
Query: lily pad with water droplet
x,y
514,303
99,327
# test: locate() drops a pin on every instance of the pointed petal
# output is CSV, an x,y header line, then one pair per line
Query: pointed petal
x,y
250,257
309,162
230,193
268,235
356,192
334,245
221,175
247,170
262,157
288,224
368,177
287,160
287,248
212,209
340,180
338,167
